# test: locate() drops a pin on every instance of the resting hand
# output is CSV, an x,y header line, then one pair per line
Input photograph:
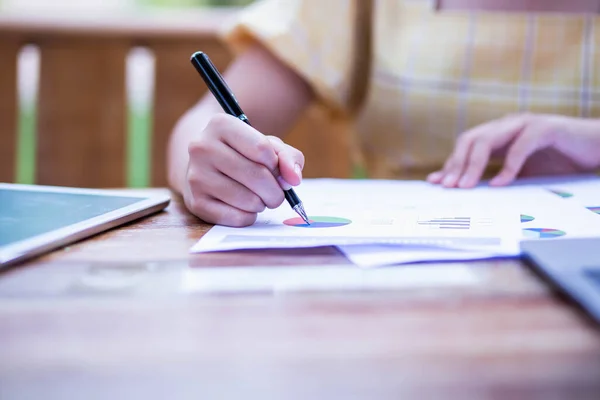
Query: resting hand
x,y
531,144
232,171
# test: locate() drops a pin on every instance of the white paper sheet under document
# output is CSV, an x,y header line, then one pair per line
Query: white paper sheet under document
x,y
347,212
377,255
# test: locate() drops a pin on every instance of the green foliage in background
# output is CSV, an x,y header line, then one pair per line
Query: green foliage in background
x,y
26,145
139,149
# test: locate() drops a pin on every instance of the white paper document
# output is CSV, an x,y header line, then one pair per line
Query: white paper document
x,y
583,190
550,208
378,222
352,212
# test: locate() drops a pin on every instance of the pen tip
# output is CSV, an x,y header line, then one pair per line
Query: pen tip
x,y
303,215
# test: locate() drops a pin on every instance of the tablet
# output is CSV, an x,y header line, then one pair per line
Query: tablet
x,y
35,219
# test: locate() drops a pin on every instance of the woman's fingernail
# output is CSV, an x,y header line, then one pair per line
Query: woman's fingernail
x,y
449,180
434,176
464,182
298,170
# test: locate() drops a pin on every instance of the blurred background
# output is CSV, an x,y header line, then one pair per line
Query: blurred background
x,y
139,75
41,5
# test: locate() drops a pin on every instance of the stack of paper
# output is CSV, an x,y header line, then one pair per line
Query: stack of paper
x,y
379,222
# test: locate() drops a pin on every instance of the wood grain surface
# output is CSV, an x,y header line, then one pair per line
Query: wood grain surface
x,y
107,318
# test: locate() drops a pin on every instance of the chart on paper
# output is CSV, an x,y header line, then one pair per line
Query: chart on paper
x,y
446,223
361,212
317,222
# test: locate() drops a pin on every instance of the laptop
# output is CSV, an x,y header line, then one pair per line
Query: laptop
x,y
35,219
571,265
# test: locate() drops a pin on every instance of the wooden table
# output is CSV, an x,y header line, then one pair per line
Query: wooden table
x,y
66,334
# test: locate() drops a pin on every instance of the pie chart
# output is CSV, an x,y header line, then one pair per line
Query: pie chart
x,y
317,222
594,209
562,193
543,233
526,218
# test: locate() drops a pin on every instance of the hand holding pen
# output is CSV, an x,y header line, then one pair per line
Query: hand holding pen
x,y
234,171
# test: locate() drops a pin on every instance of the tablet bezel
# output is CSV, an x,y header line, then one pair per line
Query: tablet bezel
x,y
148,203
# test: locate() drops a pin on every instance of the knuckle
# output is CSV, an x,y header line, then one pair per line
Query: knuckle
x,y
195,180
199,147
233,217
527,118
478,156
463,138
218,123
483,145
275,200
256,204
249,219
550,135
259,173
512,115
263,144
264,150
274,139
518,115
475,166
197,207
466,139
541,128
248,201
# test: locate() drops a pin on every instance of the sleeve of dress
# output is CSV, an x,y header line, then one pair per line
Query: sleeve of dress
x,y
313,37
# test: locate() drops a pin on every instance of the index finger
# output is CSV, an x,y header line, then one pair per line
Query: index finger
x,y
244,139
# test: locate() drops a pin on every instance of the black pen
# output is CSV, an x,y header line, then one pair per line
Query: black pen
x,y
216,84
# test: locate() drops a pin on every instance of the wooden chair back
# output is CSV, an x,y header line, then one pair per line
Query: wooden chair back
x,y
82,108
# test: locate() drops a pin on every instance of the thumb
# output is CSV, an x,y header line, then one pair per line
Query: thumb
x,y
290,163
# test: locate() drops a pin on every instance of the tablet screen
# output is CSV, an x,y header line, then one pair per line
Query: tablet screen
x,y
27,213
